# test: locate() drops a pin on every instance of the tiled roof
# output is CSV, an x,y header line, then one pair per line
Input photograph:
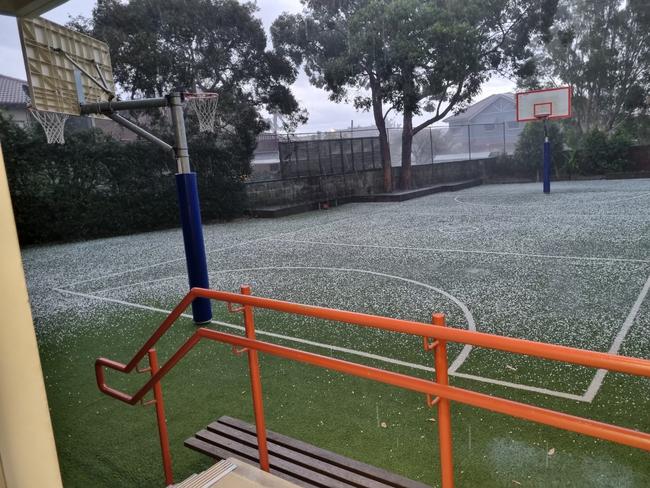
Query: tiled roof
x,y
475,109
13,91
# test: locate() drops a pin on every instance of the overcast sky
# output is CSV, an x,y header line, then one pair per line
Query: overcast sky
x,y
323,114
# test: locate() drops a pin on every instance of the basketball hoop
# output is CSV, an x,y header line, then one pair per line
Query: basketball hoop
x,y
204,106
53,124
545,104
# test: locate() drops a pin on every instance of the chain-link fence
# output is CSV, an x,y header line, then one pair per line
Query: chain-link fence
x,y
281,156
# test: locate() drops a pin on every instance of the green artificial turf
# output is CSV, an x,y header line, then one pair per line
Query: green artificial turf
x,y
566,268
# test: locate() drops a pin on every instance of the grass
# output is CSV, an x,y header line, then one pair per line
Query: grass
x,y
574,301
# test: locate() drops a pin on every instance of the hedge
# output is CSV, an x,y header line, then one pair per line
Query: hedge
x,y
95,186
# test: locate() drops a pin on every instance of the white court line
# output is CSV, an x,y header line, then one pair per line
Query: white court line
x,y
589,394
597,381
548,204
465,251
162,263
471,323
354,352
544,391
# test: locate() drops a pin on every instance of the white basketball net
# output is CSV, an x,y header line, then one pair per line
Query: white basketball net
x,y
53,124
204,106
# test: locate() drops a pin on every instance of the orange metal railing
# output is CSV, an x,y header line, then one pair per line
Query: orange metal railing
x,y
437,392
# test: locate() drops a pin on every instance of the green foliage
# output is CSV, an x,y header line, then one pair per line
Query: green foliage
x,y
602,153
638,128
211,45
529,151
593,153
412,56
95,186
602,49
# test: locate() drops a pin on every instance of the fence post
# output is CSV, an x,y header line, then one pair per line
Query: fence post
x,y
319,145
162,421
309,172
342,156
256,385
431,143
296,146
469,141
444,408
504,138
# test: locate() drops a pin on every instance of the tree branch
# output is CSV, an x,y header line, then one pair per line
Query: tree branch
x,y
438,115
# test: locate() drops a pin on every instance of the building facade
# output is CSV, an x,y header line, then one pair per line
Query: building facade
x,y
487,127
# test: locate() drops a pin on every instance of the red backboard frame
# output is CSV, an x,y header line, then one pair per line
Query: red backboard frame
x,y
569,90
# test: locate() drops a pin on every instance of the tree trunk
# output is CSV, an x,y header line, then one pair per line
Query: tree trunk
x,y
384,146
407,146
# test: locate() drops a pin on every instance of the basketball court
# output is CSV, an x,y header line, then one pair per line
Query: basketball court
x,y
567,269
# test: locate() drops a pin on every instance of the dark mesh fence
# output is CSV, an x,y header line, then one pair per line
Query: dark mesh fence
x,y
329,156
281,156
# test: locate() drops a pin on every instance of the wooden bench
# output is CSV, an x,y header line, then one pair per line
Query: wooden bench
x,y
296,461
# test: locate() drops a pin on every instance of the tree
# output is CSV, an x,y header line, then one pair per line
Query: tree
x,y
411,56
529,151
600,152
602,49
95,186
208,45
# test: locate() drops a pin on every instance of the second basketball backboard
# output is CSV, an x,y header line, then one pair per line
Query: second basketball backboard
x,y
549,103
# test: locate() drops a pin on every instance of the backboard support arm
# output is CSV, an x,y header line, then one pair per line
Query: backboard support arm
x,y
82,69
186,186
124,122
115,106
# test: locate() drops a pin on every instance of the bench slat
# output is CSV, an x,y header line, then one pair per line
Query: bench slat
x,y
278,464
296,461
218,453
367,470
297,457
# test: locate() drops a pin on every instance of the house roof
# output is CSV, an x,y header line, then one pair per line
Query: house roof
x,y
28,8
13,91
478,107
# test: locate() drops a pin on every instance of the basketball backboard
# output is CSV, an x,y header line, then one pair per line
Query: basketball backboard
x,y
549,103
64,68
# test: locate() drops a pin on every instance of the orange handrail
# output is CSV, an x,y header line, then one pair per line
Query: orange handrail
x,y
612,362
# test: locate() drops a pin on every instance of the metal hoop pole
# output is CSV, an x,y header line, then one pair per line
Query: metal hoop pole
x,y
190,210
547,161
180,138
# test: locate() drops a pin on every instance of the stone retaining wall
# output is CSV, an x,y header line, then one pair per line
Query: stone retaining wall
x,y
307,189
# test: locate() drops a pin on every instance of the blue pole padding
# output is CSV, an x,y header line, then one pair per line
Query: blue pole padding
x,y
197,266
547,166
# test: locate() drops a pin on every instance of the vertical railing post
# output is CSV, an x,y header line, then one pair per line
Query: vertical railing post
x,y
256,385
162,421
444,408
